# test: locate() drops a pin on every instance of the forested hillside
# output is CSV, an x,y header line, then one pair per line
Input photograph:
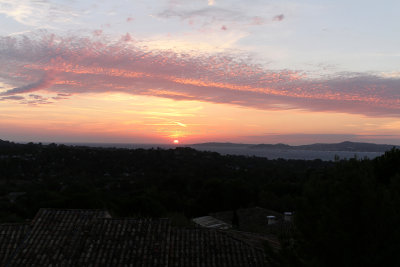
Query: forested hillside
x,y
347,212
141,182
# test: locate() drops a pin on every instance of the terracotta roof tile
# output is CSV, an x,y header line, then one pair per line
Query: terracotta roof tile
x,y
91,238
210,247
11,235
119,242
54,236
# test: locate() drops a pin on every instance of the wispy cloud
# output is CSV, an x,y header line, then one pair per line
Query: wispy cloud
x,y
212,15
41,13
31,99
42,83
279,17
13,97
74,65
210,12
180,124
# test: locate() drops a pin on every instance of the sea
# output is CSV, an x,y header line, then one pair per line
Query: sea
x,y
246,151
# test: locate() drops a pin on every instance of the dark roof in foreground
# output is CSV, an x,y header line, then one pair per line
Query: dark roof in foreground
x,y
11,235
92,238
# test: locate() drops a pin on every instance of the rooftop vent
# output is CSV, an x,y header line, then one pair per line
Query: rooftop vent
x,y
271,219
287,216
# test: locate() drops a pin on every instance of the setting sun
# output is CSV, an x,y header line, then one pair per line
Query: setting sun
x,y
176,141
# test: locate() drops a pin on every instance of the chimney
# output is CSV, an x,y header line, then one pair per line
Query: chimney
x,y
271,219
287,216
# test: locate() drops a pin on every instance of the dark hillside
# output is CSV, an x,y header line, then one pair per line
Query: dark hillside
x,y
346,213
152,182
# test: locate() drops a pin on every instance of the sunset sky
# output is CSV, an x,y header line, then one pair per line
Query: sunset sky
x,y
154,71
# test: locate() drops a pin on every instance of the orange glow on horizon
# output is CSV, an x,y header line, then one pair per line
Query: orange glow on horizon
x,y
123,118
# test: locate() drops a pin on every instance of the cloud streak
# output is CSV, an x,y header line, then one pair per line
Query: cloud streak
x,y
279,17
74,65
41,84
37,13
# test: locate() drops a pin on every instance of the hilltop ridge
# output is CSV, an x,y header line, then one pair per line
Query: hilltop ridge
x,y
342,146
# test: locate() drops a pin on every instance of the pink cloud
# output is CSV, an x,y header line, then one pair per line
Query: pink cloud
x,y
97,32
43,83
126,38
204,17
12,97
257,21
279,17
74,65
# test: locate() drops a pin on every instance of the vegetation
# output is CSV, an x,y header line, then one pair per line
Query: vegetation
x,y
347,212
141,182
349,215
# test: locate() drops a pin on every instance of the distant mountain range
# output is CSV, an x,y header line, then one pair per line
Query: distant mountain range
x,y
343,146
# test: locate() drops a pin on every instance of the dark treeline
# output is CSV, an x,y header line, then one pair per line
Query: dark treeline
x,y
141,182
347,212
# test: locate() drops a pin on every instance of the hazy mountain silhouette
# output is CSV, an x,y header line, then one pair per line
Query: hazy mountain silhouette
x,y
343,146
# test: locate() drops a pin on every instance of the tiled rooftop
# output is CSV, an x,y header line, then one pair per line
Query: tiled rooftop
x,y
11,235
211,247
120,242
211,222
92,238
